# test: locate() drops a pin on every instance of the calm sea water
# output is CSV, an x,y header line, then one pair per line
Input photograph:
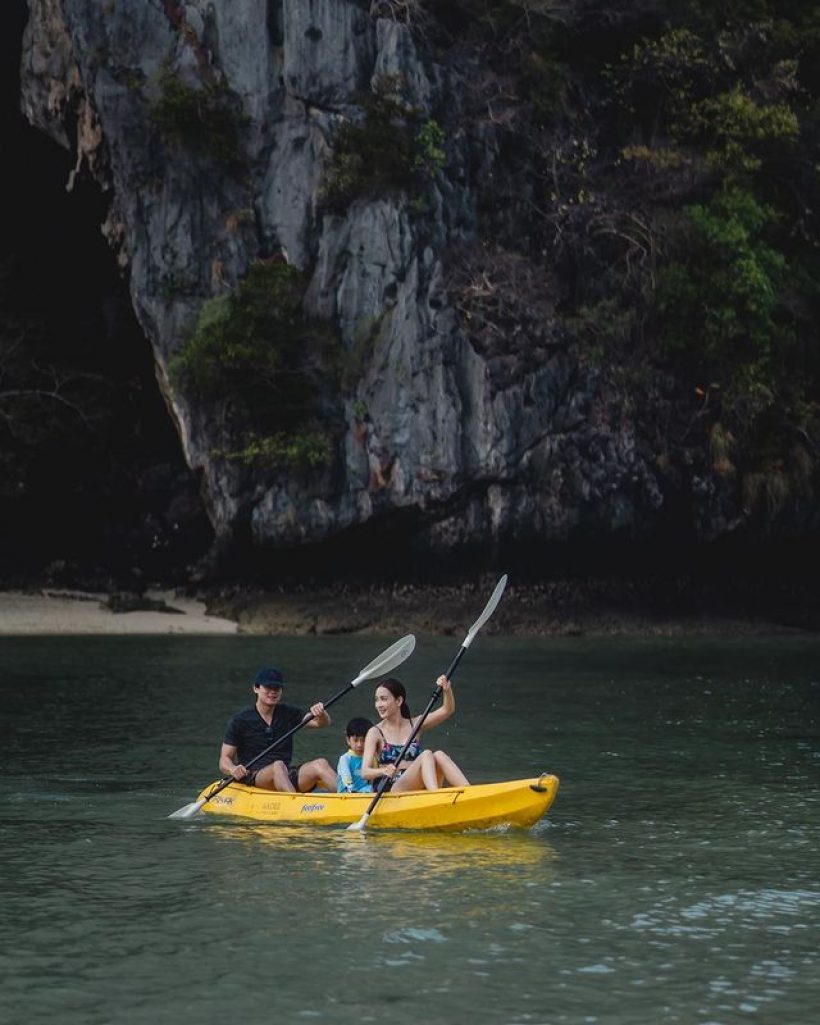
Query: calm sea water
x,y
675,879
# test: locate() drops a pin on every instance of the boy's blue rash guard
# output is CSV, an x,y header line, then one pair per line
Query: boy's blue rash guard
x,y
349,771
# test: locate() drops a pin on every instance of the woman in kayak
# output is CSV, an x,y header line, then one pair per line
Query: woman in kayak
x,y
419,769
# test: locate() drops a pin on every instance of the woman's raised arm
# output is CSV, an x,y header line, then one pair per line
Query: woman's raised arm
x,y
448,705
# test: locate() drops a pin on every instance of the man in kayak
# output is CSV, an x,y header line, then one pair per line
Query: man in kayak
x,y
255,728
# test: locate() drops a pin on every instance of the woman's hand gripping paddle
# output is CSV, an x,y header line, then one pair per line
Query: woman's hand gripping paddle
x,y
380,666
489,609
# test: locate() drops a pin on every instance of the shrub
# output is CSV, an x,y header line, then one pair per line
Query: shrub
x,y
722,297
263,365
203,119
658,80
723,313
310,450
740,130
390,150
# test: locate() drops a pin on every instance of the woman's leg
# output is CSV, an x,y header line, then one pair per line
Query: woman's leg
x,y
421,775
447,769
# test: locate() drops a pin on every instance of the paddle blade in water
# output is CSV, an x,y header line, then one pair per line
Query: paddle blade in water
x,y
187,812
360,826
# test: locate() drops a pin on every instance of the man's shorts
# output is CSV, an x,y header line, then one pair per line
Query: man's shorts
x,y
293,776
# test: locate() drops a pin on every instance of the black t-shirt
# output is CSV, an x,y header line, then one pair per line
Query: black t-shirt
x,y
248,732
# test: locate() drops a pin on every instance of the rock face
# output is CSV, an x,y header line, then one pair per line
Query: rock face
x,y
479,446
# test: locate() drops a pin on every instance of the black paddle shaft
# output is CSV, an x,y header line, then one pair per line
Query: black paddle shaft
x,y
385,783
229,779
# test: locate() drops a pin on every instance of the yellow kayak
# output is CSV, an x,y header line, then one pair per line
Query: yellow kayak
x,y
519,802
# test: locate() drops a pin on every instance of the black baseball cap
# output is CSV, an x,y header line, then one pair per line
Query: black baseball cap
x,y
269,678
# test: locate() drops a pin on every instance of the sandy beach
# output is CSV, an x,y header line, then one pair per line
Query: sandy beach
x,y
55,611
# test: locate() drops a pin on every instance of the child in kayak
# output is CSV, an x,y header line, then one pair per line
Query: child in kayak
x,y
419,769
350,763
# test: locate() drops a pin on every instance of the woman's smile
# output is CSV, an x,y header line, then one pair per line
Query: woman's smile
x,y
384,702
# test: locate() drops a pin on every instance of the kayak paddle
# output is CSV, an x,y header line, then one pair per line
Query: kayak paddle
x,y
489,609
380,666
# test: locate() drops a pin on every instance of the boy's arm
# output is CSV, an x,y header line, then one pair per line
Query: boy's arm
x,y
344,773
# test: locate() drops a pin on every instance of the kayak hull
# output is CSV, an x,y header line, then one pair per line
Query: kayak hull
x,y
520,802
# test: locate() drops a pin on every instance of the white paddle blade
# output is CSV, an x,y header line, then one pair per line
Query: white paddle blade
x,y
188,811
489,609
360,826
388,660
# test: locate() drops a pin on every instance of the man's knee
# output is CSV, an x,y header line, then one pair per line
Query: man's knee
x,y
317,771
281,777
306,778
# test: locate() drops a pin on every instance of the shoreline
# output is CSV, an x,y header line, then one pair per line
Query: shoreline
x,y
61,611
554,609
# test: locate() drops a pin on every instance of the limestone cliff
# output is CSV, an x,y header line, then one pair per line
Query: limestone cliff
x,y
479,442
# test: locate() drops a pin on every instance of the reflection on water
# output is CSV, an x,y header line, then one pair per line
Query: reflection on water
x,y
494,850
429,870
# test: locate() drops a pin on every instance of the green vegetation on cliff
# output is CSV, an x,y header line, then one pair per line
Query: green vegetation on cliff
x,y
205,119
392,148
660,165
262,368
